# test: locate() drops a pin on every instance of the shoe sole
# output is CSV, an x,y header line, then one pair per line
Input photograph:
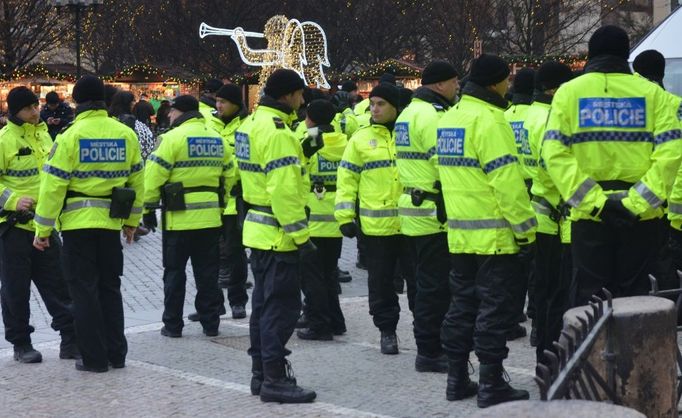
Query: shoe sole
x,y
330,338
267,398
430,369
92,370
69,357
170,335
390,353
489,404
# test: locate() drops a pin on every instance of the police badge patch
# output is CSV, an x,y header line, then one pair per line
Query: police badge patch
x,y
373,143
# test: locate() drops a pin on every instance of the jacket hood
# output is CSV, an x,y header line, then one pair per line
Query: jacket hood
x,y
428,95
481,93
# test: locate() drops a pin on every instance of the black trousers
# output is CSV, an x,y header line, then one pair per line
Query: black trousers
x,y
319,283
552,279
275,304
21,263
480,306
383,253
617,259
521,286
233,262
93,264
433,293
200,246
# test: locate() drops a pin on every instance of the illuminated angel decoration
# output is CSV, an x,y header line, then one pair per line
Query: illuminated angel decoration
x,y
298,46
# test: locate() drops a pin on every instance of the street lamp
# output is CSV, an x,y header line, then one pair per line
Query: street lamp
x,y
77,6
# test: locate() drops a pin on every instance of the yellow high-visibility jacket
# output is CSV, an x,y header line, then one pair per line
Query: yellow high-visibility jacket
x,y
92,156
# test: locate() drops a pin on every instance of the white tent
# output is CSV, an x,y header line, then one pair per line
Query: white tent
x,y
667,39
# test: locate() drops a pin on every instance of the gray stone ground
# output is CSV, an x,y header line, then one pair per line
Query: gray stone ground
x,y
203,377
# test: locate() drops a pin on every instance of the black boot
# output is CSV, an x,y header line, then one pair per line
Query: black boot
x,y
459,385
68,348
302,322
515,332
256,375
238,312
280,385
194,316
343,276
315,335
27,354
389,342
437,364
494,388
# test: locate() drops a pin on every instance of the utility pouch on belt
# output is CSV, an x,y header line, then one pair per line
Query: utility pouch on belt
x,y
417,196
221,193
122,199
173,197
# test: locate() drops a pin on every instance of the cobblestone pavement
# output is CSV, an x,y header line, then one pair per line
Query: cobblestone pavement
x,y
202,377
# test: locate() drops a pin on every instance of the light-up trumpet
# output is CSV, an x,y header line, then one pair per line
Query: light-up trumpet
x,y
206,30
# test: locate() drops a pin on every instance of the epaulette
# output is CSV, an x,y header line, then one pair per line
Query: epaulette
x,y
67,126
279,123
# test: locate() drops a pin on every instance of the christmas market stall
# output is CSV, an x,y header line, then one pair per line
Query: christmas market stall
x,y
41,79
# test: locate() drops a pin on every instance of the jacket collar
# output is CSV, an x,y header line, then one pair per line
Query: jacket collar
x,y
542,97
208,101
428,95
607,64
387,125
288,113
185,117
91,105
519,98
481,93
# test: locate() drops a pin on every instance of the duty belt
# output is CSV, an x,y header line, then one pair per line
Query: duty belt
x,y
259,208
615,184
555,214
427,195
71,194
197,189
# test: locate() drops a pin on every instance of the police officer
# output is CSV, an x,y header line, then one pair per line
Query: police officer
x,y
491,231
318,272
421,203
368,173
24,146
233,270
612,147
93,183
190,171
276,229
522,97
553,258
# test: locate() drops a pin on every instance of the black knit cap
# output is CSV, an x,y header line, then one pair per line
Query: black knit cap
x,y
524,81
405,97
321,111
438,71
387,78
551,75
232,93
52,98
349,86
185,103
212,85
283,82
609,40
88,88
487,70
20,97
388,92
650,64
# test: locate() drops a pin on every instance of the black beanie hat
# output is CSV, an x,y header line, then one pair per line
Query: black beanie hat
x,y
609,40
185,103
387,78
405,97
551,75
321,111
438,71
232,93
52,97
650,64
283,82
487,70
88,88
388,92
524,81
212,85
349,86
20,97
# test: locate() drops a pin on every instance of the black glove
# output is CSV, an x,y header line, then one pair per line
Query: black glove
x,y
526,255
349,230
615,215
441,214
312,144
149,220
307,249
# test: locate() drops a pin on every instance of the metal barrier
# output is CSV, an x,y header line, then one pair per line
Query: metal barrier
x,y
678,304
568,373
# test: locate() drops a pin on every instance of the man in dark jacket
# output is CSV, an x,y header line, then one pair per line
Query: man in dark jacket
x,y
55,113
143,110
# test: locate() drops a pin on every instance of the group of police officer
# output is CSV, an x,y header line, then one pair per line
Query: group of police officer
x,y
562,193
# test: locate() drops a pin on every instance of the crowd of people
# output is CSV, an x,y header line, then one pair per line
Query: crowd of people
x,y
477,198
